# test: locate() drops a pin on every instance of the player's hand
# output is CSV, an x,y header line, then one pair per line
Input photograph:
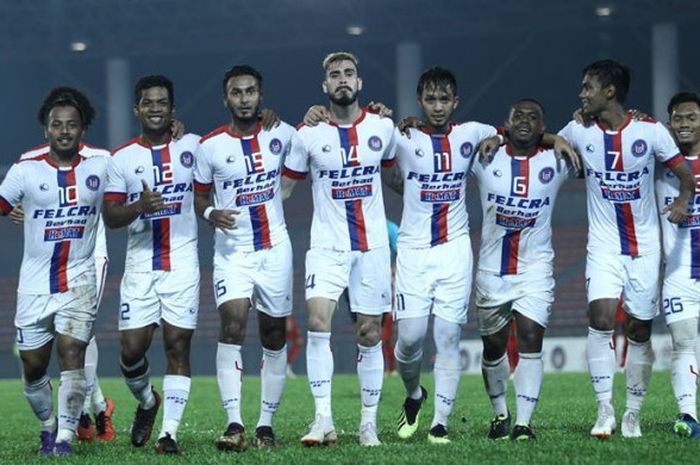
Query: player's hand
x,y
580,118
223,219
562,149
677,210
269,119
380,109
150,201
488,148
317,114
408,123
638,115
17,214
177,129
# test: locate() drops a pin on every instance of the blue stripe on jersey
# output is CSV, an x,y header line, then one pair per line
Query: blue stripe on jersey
x,y
256,224
247,149
157,244
609,155
353,227
345,146
695,253
56,265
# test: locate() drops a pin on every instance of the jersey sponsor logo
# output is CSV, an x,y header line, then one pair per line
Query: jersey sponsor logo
x,y
43,187
92,182
450,195
187,159
171,209
70,212
514,222
639,148
375,143
254,198
546,175
326,148
436,177
139,169
466,150
276,146
517,202
167,189
693,221
248,180
420,153
620,195
617,176
62,234
353,192
590,148
230,159
349,173
497,173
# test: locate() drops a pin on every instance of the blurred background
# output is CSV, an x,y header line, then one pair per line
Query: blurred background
x,y
500,50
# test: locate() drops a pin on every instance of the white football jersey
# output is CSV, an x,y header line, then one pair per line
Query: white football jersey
x,y
681,242
435,169
345,163
244,172
517,198
168,238
619,170
62,207
86,151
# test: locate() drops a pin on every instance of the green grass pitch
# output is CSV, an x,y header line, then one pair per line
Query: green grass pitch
x,y
564,416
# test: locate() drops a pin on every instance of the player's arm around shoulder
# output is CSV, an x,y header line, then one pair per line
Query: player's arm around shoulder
x,y
295,166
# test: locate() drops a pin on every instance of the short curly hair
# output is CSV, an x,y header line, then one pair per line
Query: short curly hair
x,y
64,96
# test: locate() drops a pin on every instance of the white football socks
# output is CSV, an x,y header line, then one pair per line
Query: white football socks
x,y
370,371
229,374
640,357
91,357
601,363
71,395
684,365
38,394
448,368
273,376
409,353
527,381
319,368
140,386
176,391
495,375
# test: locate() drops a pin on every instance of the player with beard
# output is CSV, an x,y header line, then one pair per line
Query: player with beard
x,y
681,288
242,163
349,240
150,192
61,192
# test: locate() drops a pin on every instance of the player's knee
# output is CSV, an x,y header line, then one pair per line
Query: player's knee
x,y
638,330
273,338
369,333
232,332
494,347
32,371
318,323
529,342
601,322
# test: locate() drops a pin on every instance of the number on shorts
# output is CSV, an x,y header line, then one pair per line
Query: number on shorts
x,y
124,312
673,305
220,288
310,281
400,302
20,336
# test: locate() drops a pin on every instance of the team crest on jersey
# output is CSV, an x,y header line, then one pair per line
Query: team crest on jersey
x,y
419,153
375,143
590,148
187,159
92,182
230,159
546,175
44,187
139,170
639,148
466,150
276,146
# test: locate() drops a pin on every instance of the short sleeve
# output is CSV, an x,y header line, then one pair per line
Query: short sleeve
x,y
567,132
11,189
296,163
389,155
116,189
665,149
484,131
203,173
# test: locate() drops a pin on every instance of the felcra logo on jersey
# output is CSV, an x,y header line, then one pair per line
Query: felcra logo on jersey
x,y
517,202
165,189
248,180
65,212
349,172
617,176
436,177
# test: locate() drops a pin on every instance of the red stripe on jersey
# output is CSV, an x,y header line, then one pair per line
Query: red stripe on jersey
x,y
629,229
674,161
165,244
290,173
63,266
617,147
264,227
361,228
214,133
202,187
5,206
126,144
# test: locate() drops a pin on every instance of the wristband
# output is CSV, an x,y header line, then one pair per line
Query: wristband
x,y
501,139
207,212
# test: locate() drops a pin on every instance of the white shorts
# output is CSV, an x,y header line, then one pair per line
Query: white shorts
x,y
151,296
437,278
366,275
71,313
531,294
609,276
680,296
263,276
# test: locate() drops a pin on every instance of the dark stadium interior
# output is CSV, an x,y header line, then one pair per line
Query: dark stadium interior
x,y
500,50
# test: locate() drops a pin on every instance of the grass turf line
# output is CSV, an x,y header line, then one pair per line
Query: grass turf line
x,y
562,421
